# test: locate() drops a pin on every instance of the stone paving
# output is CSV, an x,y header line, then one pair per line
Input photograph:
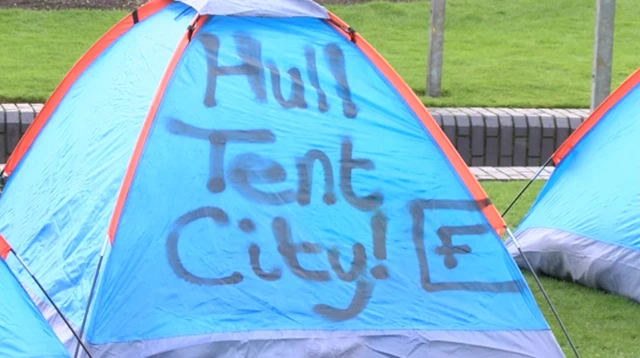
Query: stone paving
x,y
510,173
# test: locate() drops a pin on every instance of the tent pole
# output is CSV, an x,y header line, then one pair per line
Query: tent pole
x,y
50,300
526,186
544,293
93,286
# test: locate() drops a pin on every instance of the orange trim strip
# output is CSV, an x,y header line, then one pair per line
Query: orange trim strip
x,y
604,107
146,127
5,248
478,193
78,68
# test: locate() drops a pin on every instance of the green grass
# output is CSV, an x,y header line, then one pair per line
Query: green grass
x,y
39,47
524,53
521,53
601,325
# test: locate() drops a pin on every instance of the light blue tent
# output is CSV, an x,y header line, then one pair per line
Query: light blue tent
x,y
263,184
23,331
585,224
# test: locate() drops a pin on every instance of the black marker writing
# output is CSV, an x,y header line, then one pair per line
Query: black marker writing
x,y
219,140
252,67
312,71
220,218
289,252
296,99
249,50
305,177
244,172
337,66
254,257
360,300
248,168
379,230
417,209
347,165
357,266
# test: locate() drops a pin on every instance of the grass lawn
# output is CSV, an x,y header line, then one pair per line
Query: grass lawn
x,y
520,53
523,53
601,325
38,48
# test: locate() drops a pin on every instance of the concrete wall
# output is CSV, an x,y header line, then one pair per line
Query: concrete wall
x,y
14,120
507,137
483,136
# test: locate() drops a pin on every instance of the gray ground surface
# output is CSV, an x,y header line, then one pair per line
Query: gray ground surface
x,y
115,4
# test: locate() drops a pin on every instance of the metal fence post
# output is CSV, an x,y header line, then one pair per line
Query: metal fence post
x,y
436,44
602,51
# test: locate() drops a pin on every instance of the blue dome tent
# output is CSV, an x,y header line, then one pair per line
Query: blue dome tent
x,y
251,178
585,224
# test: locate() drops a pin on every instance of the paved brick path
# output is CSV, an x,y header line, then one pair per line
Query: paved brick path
x,y
510,173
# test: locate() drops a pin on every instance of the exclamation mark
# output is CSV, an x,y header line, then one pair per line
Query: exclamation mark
x,y
379,230
339,72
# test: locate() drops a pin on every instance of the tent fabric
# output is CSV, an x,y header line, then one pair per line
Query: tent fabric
x,y
55,321
23,331
352,344
284,196
5,249
584,226
97,50
260,8
257,174
573,257
80,157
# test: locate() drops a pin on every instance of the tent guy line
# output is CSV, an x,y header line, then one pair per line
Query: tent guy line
x,y
574,229
524,189
543,291
5,249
